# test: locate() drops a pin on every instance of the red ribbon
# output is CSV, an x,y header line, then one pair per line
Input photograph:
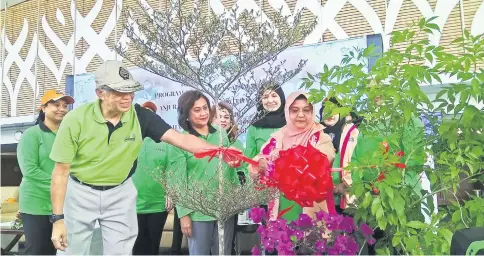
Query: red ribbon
x,y
303,175
228,155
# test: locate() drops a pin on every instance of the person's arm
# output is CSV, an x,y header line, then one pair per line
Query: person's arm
x,y
63,152
158,130
325,146
59,187
186,141
28,158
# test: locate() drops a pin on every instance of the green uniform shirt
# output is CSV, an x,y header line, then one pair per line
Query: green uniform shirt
x,y
200,171
97,157
256,138
361,148
33,157
152,160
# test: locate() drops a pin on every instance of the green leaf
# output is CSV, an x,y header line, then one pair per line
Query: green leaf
x,y
407,114
383,251
293,239
375,205
433,26
367,200
475,83
447,234
382,223
429,57
468,115
396,240
399,205
440,93
380,213
411,242
389,192
417,225
310,76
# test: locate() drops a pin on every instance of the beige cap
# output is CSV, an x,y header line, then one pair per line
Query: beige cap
x,y
115,75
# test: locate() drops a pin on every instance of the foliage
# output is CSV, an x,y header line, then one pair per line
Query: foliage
x,y
389,97
338,236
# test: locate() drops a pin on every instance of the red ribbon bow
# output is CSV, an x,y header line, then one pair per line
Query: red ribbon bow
x,y
228,155
303,175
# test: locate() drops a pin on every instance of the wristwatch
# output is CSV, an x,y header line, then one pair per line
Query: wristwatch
x,y
55,217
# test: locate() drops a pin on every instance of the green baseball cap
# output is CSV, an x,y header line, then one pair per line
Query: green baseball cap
x,y
115,75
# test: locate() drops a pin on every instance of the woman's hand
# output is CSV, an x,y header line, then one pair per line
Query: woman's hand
x,y
262,164
186,225
168,204
339,189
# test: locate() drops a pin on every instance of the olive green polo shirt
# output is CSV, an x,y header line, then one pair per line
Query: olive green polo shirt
x,y
33,158
152,160
100,153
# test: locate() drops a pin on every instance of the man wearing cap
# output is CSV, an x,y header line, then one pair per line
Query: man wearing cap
x,y
95,153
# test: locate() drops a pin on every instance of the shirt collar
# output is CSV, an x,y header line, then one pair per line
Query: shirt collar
x,y
44,127
192,131
98,114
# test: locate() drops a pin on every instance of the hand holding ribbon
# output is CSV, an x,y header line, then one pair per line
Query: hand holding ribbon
x,y
231,156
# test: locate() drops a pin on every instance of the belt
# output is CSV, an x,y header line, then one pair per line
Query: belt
x,y
100,188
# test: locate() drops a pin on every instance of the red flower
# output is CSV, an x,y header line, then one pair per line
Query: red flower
x,y
381,176
400,153
399,165
376,191
386,145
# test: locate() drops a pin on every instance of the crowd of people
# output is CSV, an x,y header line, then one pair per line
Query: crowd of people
x,y
95,164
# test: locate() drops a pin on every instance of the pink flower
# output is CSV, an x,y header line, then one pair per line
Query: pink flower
x,y
304,221
256,251
347,225
331,220
371,241
320,246
345,245
366,230
257,214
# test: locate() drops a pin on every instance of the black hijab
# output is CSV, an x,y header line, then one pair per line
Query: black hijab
x,y
274,119
336,130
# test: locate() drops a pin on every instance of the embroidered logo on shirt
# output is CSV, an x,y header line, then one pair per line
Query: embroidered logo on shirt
x,y
331,135
130,137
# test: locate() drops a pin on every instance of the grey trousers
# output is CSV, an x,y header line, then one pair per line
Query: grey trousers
x,y
114,208
205,237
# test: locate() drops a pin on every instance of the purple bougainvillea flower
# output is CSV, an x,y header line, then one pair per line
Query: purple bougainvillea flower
x,y
304,221
299,234
257,214
320,215
261,229
333,251
256,251
332,221
320,246
371,241
347,225
366,230
345,245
